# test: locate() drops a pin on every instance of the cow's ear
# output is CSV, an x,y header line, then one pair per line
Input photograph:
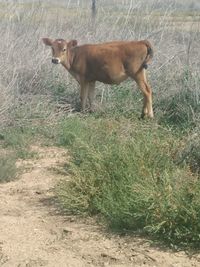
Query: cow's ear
x,y
47,41
72,43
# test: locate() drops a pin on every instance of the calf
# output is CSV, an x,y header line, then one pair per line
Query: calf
x,y
110,63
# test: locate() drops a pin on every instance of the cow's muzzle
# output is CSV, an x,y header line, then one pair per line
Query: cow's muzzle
x,y
55,60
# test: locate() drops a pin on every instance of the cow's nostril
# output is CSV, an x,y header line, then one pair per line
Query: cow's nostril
x,y
55,60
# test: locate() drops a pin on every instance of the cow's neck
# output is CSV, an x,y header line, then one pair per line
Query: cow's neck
x,y
69,60
68,64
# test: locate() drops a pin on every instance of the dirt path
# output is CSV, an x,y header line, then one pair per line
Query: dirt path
x,y
33,234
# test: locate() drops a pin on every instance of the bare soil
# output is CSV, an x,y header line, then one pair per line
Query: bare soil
x,y
33,232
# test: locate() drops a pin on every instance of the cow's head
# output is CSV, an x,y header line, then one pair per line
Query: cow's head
x,y
60,50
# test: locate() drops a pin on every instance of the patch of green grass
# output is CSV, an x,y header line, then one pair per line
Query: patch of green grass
x,y
181,110
126,172
18,139
190,154
8,170
124,100
15,143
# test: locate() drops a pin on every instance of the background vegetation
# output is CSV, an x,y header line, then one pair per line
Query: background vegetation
x,y
140,176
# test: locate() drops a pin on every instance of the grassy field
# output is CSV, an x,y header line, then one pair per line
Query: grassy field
x,y
135,176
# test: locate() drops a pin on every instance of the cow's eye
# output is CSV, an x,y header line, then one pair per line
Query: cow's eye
x,y
64,49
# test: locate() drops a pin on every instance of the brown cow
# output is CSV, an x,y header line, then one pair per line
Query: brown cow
x,y
110,63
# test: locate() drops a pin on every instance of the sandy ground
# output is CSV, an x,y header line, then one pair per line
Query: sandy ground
x,y
33,233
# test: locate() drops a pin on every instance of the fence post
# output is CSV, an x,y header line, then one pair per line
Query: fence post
x,y
94,10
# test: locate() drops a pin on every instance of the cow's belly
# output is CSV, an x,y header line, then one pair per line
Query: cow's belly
x,y
117,79
111,76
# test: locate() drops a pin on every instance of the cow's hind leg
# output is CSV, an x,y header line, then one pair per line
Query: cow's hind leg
x,y
91,95
141,80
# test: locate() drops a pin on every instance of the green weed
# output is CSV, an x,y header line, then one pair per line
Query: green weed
x,y
126,172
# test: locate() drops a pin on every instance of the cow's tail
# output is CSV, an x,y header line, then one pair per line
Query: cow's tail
x,y
149,55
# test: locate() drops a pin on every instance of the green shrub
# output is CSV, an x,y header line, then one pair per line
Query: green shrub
x,y
125,172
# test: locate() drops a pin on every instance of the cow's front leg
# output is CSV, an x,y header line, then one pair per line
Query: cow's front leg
x,y
84,95
91,95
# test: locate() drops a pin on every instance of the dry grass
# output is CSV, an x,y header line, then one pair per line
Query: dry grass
x,y
28,78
